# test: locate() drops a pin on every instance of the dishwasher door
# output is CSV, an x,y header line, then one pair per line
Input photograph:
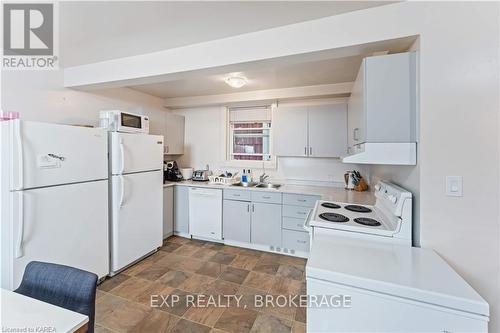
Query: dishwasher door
x,y
205,213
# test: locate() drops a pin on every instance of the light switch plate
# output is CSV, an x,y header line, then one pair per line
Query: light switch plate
x,y
454,186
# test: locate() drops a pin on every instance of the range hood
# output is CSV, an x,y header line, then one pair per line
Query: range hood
x,y
401,153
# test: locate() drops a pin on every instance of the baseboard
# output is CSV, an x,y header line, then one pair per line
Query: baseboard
x,y
182,234
268,248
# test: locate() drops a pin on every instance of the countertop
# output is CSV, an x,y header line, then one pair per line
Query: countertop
x,y
328,193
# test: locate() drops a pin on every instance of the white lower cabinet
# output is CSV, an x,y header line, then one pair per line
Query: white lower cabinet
x,y
168,211
236,220
296,208
181,210
266,224
295,240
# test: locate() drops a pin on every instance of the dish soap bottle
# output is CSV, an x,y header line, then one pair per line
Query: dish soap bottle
x,y
244,177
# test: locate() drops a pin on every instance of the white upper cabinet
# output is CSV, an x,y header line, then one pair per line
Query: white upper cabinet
x,y
174,134
290,131
310,131
382,111
327,130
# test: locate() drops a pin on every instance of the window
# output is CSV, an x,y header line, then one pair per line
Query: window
x,y
249,135
250,141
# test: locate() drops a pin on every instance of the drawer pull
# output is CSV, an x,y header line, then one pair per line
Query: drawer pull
x,y
302,200
302,213
300,225
301,241
266,197
236,195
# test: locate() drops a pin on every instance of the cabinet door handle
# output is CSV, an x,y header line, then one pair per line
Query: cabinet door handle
x,y
305,151
355,134
253,208
248,208
310,151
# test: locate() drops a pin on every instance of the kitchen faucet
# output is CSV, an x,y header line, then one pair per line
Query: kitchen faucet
x,y
263,176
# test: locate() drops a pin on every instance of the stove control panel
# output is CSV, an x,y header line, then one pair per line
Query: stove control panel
x,y
391,196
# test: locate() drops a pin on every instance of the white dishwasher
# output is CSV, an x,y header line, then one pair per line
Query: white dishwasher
x,y
205,213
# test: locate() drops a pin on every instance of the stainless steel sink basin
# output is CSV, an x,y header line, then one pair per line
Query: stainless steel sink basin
x,y
269,185
245,184
259,185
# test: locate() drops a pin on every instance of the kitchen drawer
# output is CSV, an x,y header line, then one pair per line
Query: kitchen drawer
x,y
295,240
295,211
267,197
292,223
300,200
243,195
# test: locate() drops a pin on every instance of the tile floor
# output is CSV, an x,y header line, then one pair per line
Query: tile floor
x,y
191,267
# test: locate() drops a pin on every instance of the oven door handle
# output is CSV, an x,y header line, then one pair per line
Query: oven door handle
x,y
307,221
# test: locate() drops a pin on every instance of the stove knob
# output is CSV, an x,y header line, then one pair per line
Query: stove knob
x,y
392,198
377,187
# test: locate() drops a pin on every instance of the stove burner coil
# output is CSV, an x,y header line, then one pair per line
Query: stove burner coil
x,y
330,205
334,217
367,221
358,209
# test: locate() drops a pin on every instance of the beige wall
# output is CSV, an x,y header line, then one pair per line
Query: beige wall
x,y
40,96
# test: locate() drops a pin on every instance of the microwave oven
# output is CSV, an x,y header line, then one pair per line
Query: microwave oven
x,y
119,121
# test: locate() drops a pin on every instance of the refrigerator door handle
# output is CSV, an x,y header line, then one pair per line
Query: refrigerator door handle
x,y
20,235
20,161
122,190
122,156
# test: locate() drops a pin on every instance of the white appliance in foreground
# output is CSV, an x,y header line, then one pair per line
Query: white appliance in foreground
x,y
389,288
54,198
205,213
364,252
136,197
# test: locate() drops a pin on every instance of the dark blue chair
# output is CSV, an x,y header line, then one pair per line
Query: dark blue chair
x,y
64,286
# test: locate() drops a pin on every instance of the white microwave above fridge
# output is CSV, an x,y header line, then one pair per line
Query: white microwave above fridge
x,y
126,122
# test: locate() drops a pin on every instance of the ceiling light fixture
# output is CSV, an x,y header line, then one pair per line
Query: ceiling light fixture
x,y
236,81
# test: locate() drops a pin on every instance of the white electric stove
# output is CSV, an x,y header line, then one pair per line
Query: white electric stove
x,y
390,219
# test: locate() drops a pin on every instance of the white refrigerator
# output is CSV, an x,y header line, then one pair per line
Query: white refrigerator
x,y
54,198
136,197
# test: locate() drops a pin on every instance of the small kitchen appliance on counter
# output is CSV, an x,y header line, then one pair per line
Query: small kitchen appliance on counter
x,y
171,172
201,175
187,173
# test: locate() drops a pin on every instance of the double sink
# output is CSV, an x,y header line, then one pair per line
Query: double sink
x,y
259,185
